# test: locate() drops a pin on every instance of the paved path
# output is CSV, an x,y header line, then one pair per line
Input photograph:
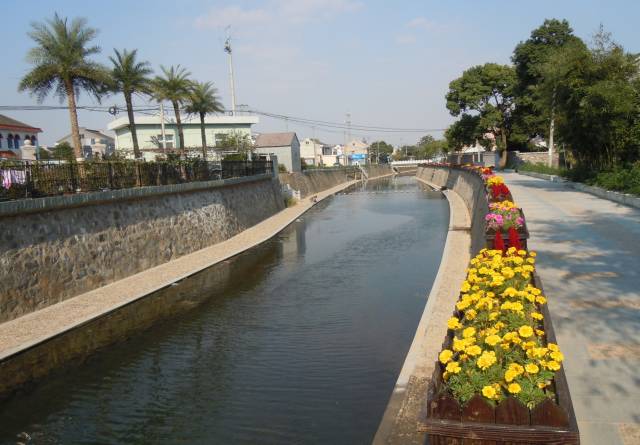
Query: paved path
x,y
40,326
589,261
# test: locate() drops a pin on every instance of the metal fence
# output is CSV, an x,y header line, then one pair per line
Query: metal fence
x,y
24,179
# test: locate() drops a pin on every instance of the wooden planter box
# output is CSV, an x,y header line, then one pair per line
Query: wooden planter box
x,y
523,235
508,423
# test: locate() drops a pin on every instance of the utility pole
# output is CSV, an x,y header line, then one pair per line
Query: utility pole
x,y
164,144
227,48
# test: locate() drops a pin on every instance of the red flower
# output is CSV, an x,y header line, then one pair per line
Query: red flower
x,y
514,239
498,190
498,243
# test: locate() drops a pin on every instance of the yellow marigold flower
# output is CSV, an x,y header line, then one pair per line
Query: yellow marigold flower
x,y
533,254
528,345
531,260
493,315
487,359
514,388
489,392
492,340
453,368
465,286
540,299
531,368
470,314
469,332
553,347
539,332
510,375
537,315
522,252
510,292
473,350
463,304
553,365
525,331
557,356
445,356
453,323
542,385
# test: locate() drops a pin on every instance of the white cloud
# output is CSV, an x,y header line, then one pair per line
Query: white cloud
x,y
233,16
277,12
420,22
405,39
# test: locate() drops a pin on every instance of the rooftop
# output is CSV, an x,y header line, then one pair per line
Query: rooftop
x,y
12,124
169,118
275,139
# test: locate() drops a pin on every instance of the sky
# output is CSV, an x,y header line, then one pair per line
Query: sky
x,y
387,63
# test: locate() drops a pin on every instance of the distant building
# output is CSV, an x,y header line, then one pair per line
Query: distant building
x,y
312,150
149,132
356,152
284,145
94,143
13,135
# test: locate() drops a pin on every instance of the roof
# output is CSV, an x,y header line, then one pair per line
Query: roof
x,y
12,124
275,139
86,130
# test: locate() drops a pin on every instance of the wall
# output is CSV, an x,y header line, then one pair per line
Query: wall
x,y
471,189
534,157
50,251
310,182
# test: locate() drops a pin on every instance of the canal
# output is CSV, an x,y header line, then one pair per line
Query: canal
x,y
300,340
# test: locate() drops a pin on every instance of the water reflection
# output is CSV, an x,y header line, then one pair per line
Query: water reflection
x,y
300,340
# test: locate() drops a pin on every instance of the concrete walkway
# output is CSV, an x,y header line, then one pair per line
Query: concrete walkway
x,y
589,261
40,326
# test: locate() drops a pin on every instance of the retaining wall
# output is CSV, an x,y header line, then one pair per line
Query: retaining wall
x,y
55,248
471,189
310,182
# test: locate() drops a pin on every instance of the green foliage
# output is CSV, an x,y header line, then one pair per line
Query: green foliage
x,y
487,90
464,131
542,168
429,147
63,151
282,168
237,141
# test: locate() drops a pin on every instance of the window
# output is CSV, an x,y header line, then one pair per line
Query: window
x,y
0,140
16,142
168,140
220,137
93,141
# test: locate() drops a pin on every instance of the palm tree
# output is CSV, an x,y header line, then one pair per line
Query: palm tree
x,y
61,63
175,87
203,100
130,76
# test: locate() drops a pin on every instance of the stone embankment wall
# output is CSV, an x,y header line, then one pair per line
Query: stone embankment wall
x,y
471,189
515,158
50,252
314,181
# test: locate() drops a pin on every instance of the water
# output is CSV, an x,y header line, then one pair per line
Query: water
x,y
301,341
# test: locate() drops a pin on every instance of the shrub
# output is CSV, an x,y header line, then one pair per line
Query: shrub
x,y
282,168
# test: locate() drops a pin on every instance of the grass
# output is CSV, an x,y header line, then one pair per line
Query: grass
x,y
620,179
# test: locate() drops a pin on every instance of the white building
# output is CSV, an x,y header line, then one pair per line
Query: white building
x,y
284,145
13,135
94,143
149,132
312,151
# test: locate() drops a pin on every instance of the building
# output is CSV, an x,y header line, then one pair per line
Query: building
x,y
356,152
149,132
13,135
312,151
284,145
95,144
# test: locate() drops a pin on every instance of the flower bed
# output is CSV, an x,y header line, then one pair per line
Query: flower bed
x,y
499,376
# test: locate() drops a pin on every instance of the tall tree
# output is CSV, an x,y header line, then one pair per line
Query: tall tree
x,y
535,112
488,90
203,100
62,64
464,131
174,86
130,76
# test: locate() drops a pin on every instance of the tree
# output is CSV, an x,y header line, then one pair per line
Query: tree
x,y
175,87
130,76
598,103
535,109
238,142
464,131
61,64
488,90
428,146
203,100
381,150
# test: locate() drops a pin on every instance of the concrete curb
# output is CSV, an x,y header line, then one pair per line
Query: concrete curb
x,y
610,195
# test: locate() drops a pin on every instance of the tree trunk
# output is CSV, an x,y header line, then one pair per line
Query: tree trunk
x,y
552,127
132,125
73,115
176,110
204,137
503,149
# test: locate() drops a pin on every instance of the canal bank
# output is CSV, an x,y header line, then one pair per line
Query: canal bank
x,y
407,403
34,344
300,339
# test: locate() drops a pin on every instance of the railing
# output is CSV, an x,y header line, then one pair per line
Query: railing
x,y
24,179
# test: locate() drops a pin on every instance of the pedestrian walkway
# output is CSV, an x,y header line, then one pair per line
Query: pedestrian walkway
x,y
589,261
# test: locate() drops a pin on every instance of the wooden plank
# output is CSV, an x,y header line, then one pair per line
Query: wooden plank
x,y
549,413
521,434
478,410
512,412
